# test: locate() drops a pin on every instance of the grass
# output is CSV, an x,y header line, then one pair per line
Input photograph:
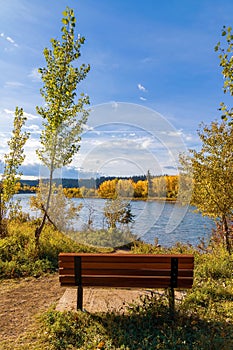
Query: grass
x,y
20,258
147,326
203,319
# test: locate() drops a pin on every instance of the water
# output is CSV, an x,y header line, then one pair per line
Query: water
x,y
154,220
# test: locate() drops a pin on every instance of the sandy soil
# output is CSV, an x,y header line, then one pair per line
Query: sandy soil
x,y
21,300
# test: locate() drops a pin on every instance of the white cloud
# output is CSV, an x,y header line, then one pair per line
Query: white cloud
x,y
146,143
9,39
172,133
143,98
8,111
33,129
114,105
13,84
29,116
34,75
141,88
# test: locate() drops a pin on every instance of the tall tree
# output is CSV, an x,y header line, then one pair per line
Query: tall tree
x,y
211,169
150,184
11,173
63,116
226,62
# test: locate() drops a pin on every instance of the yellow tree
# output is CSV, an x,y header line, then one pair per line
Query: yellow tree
x,y
212,171
108,189
11,173
141,189
63,115
125,188
159,186
226,62
172,186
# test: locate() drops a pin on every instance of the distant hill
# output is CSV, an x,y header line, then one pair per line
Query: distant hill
x,y
88,183
66,183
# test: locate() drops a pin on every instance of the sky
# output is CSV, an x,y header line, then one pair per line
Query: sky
x,y
154,78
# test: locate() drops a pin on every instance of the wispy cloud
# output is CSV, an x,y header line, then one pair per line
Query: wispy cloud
x,y
13,84
9,39
29,116
34,75
33,129
141,88
142,98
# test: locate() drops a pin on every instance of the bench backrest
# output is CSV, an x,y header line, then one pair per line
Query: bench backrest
x,y
126,270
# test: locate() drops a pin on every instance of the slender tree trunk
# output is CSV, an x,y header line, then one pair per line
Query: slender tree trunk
x,y
40,228
226,233
3,227
1,223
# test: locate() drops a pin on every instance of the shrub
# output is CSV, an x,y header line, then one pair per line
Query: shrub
x,y
19,256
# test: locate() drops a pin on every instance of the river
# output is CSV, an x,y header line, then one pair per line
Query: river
x,y
166,222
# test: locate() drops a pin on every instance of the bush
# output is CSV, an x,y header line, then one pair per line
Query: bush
x,y
111,238
19,256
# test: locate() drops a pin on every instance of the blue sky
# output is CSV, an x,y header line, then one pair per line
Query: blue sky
x,y
157,55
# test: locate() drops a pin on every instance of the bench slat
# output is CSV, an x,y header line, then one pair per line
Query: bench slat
x,y
124,258
127,265
127,272
127,281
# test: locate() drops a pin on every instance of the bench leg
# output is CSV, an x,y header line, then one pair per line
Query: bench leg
x,y
80,298
171,296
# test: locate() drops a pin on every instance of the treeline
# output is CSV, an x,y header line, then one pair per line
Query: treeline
x,y
88,183
141,187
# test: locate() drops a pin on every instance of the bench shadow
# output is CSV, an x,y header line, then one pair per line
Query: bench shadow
x,y
150,326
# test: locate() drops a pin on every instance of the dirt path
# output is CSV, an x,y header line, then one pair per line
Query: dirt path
x,y
21,300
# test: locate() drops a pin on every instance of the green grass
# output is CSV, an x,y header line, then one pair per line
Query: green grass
x,y
111,238
203,319
148,326
20,258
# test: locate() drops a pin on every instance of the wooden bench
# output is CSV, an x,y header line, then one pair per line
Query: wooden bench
x,y
126,271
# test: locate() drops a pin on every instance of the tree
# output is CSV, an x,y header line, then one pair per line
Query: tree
x,y
63,116
11,173
117,211
212,171
61,212
141,189
124,188
226,62
108,189
159,186
172,186
150,184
